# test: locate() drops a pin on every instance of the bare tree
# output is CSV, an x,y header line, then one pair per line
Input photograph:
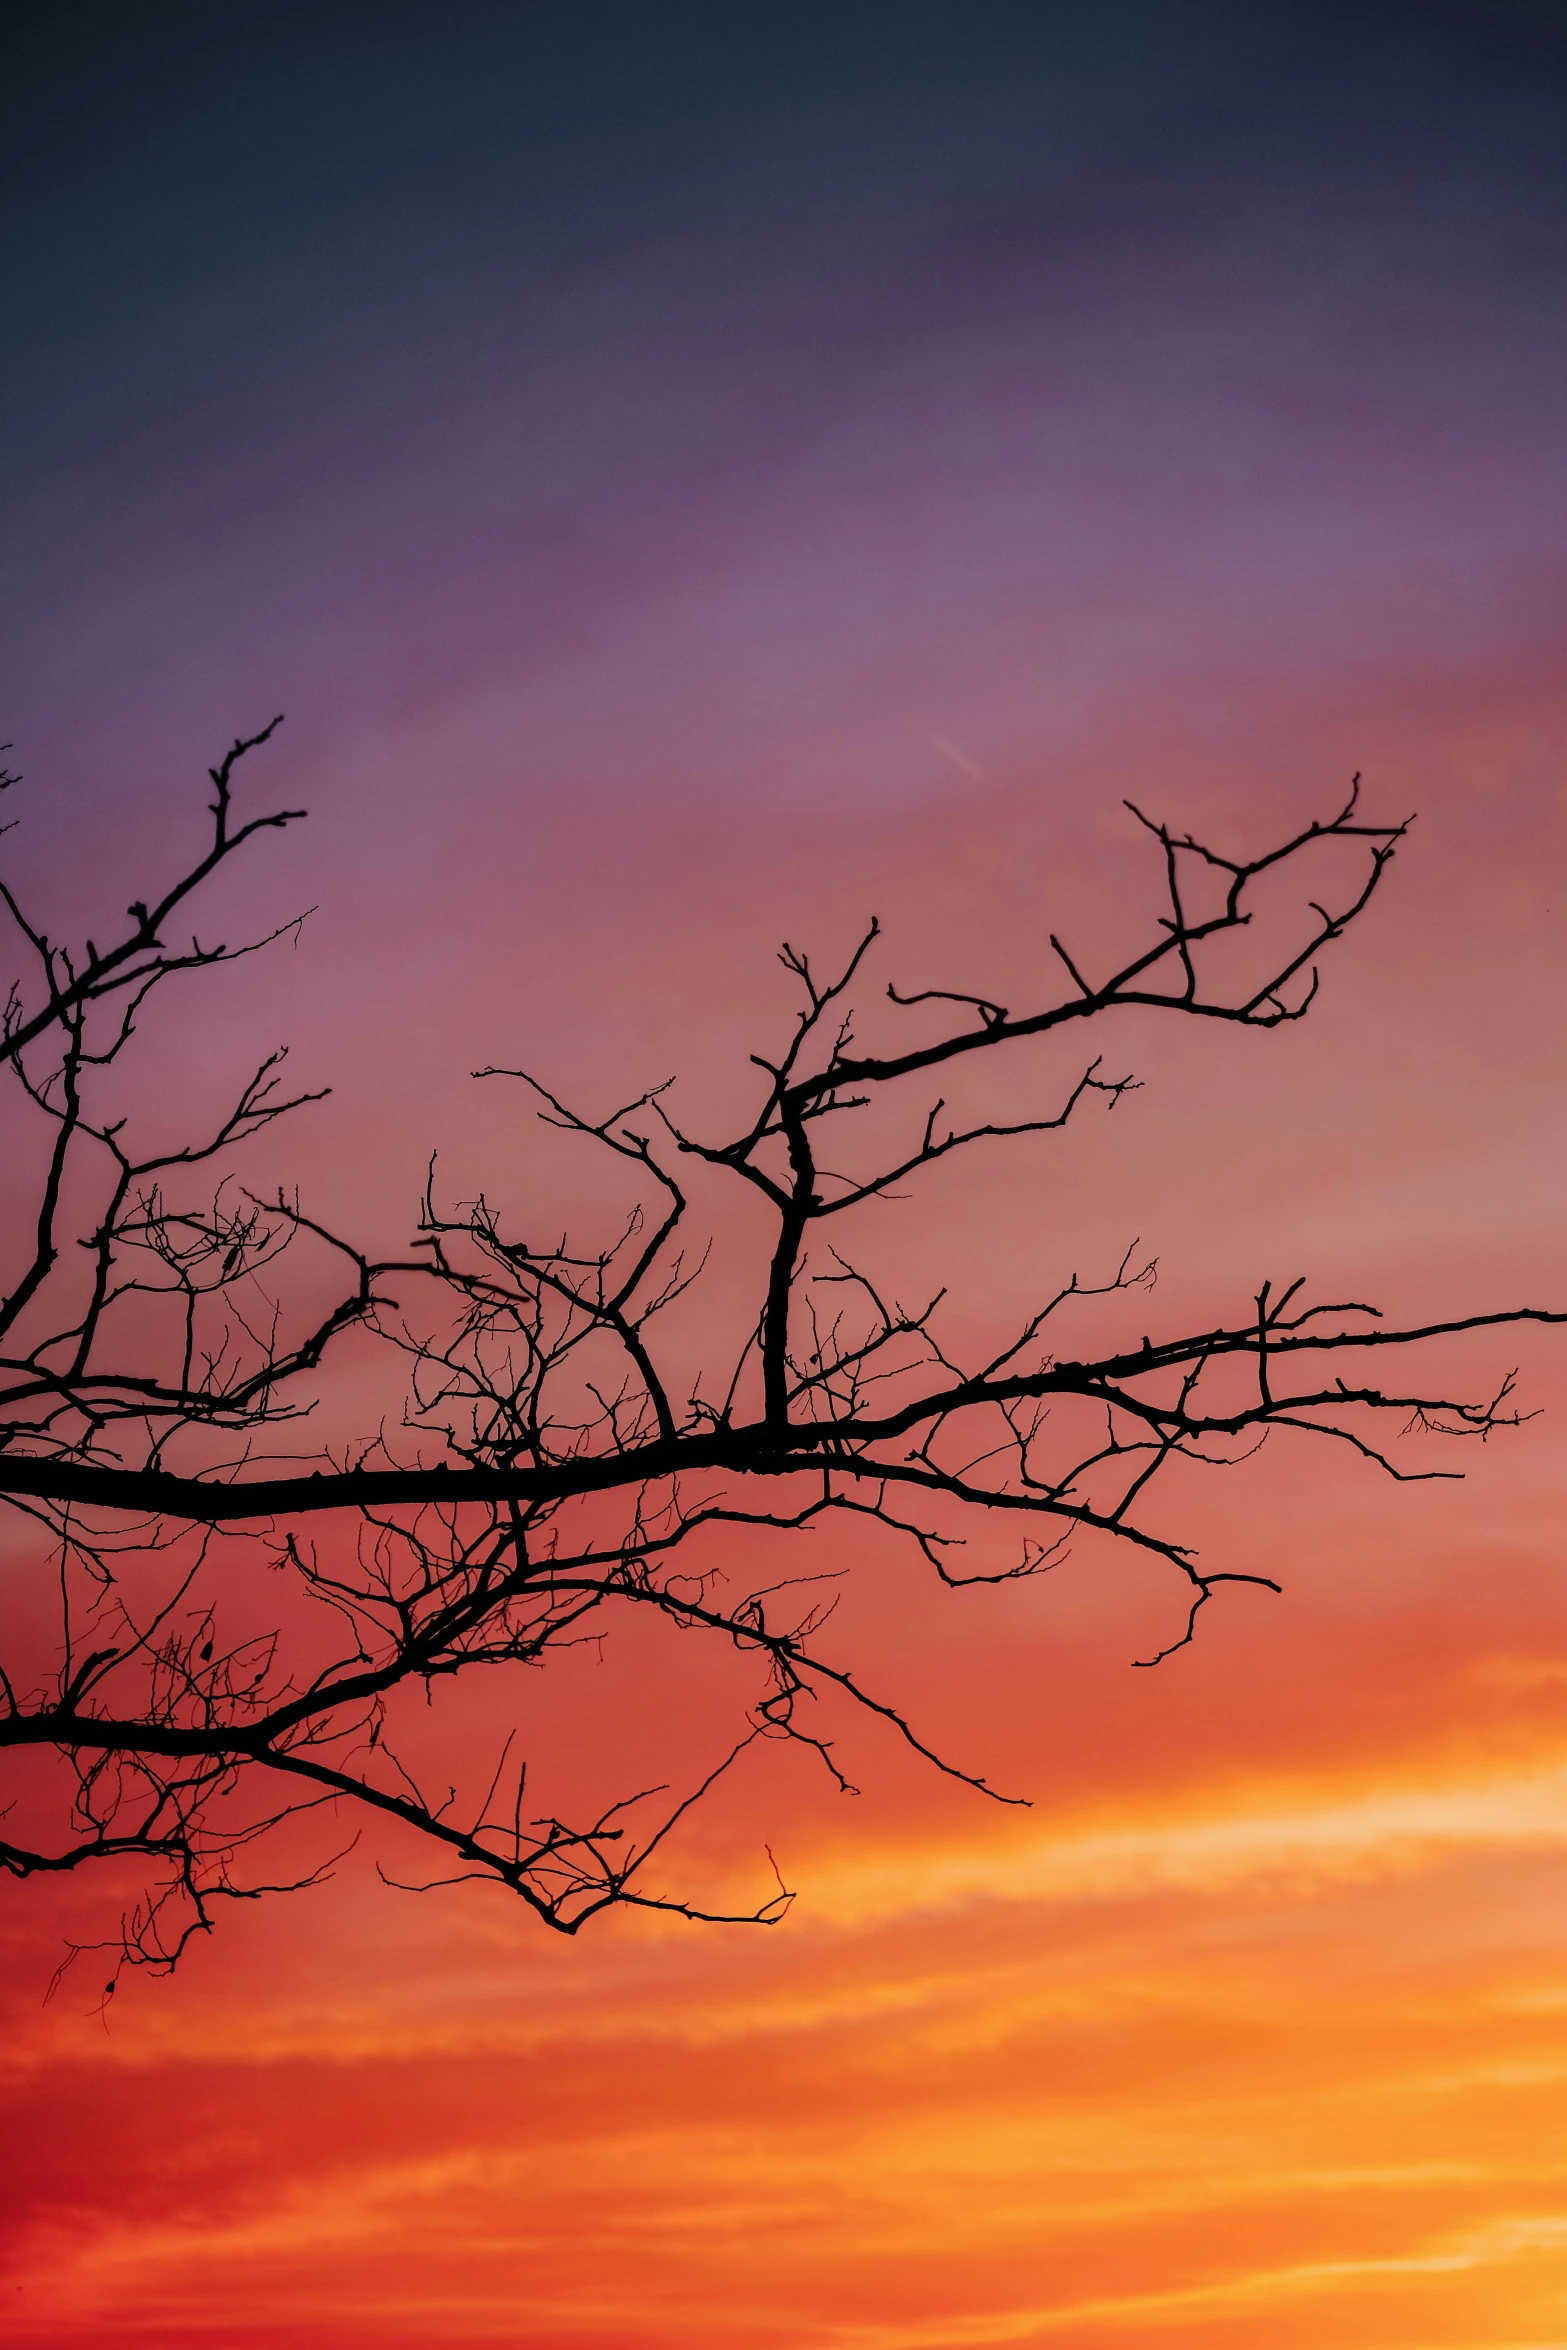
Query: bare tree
x,y
556,1461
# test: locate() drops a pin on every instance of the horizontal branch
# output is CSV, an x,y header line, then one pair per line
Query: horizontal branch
x,y
761,1448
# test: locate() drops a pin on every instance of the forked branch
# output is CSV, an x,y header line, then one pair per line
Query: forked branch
x,y
548,1462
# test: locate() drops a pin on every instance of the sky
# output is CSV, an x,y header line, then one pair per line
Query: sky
x,y
694,476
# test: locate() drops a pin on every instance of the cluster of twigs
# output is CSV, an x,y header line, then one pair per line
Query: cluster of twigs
x,y
557,1464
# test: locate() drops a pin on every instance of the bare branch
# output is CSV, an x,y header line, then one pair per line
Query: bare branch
x,y
545,1463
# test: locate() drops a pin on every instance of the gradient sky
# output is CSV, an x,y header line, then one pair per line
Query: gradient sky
x,y
694,475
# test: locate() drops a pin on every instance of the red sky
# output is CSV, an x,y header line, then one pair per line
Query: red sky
x,y
852,476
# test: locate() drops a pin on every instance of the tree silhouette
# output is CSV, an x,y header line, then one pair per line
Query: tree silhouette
x,y
556,1462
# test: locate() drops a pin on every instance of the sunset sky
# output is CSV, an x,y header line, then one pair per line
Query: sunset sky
x,y
695,475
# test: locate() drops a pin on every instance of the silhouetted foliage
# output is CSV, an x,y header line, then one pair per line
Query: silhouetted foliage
x,y
553,1465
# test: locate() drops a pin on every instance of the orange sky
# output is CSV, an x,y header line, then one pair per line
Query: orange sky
x,y
1253,2029
858,483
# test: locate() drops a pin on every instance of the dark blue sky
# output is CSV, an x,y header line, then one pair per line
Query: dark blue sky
x,y
364,358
